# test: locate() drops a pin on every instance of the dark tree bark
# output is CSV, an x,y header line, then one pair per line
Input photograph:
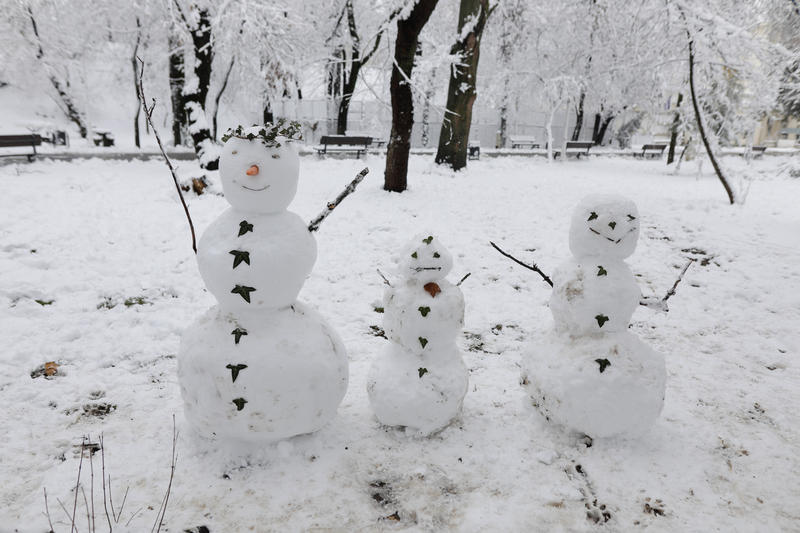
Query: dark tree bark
x,y
69,107
700,128
135,64
673,135
267,115
176,80
195,101
408,30
219,96
358,59
461,92
601,128
576,133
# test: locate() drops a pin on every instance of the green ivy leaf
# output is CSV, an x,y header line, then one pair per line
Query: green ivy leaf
x,y
243,291
237,334
423,341
612,224
239,256
424,311
603,364
239,403
422,371
601,319
631,217
428,239
235,371
592,216
244,227
601,271
414,255
436,255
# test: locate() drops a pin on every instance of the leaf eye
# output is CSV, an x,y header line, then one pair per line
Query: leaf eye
x,y
276,156
235,152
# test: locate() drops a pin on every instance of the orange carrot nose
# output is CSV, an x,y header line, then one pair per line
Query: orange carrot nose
x,y
252,171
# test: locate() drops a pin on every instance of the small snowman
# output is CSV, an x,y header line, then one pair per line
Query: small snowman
x,y
420,380
259,366
590,374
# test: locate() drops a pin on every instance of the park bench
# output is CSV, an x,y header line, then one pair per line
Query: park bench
x,y
519,141
474,150
576,148
653,150
343,144
13,141
757,151
102,138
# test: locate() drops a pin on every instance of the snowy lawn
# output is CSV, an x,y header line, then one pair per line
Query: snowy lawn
x,y
97,274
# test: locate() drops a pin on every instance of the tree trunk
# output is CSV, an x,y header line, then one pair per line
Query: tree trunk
x,y
176,79
344,102
576,133
408,29
195,101
135,64
268,116
426,110
673,136
69,107
219,96
601,131
461,93
701,128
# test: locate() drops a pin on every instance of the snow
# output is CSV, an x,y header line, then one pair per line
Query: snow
x,y
107,242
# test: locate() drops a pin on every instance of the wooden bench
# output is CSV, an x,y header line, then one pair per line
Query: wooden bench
x,y
653,150
102,138
12,141
473,150
576,148
757,151
523,142
343,144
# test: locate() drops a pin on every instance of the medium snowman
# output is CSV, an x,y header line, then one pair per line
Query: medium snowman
x,y
589,373
420,380
259,366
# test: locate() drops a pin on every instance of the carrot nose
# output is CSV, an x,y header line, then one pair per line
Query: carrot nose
x,y
252,171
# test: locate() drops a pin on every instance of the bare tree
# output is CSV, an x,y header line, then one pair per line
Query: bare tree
x,y
461,93
408,30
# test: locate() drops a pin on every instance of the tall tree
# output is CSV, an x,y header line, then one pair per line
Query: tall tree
x,y
461,92
176,81
409,26
197,21
61,88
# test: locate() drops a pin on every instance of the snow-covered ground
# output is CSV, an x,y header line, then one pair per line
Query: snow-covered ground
x,y
97,274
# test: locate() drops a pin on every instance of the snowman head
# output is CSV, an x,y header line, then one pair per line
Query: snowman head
x,y
424,260
604,225
259,167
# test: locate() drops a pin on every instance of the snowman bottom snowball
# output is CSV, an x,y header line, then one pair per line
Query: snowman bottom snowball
x,y
597,385
283,374
422,393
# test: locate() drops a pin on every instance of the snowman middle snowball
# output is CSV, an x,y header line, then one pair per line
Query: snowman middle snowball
x,y
259,366
420,380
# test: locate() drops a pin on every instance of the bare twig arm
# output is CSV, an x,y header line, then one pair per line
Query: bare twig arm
x,y
529,267
463,279
148,113
386,281
314,225
660,304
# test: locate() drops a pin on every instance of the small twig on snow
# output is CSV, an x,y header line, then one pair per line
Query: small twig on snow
x,y
148,113
386,281
103,462
463,279
660,304
163,509
314,225
86,504
529,267
64,508
47,511
77,484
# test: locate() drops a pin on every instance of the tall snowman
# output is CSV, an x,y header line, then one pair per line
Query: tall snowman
x,y
589,373
419,381
259,366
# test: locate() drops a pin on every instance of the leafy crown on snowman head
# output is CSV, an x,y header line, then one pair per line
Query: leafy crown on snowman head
x,y
268,134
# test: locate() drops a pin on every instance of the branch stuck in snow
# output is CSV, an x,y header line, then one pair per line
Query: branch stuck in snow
x,y
314,225
529,267
148,113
